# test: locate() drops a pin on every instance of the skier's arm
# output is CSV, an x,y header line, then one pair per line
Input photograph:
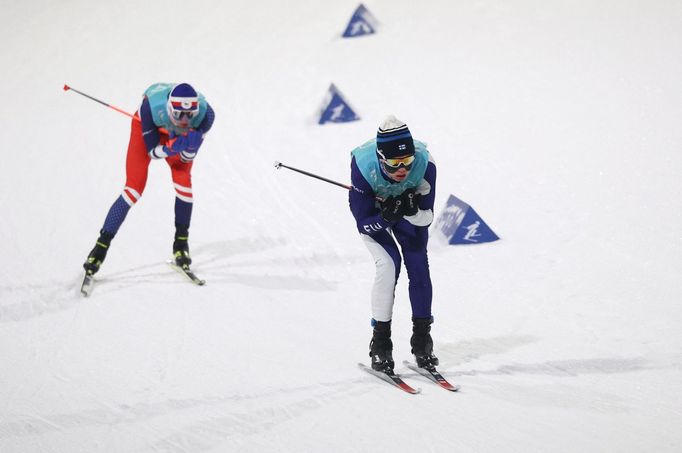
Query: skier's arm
x,y
427,190
150,132
363,204
207,122
196,136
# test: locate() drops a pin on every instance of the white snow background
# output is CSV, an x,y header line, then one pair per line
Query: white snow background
x,y
559,121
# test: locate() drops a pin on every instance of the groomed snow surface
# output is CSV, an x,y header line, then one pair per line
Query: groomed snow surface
x,y
557,121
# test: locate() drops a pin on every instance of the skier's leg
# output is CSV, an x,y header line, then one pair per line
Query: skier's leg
x,y
387,260
182,181
413,243
137,165
386,256
137,168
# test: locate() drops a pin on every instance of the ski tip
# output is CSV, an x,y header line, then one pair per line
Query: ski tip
x,y
451,387
87,285
410,390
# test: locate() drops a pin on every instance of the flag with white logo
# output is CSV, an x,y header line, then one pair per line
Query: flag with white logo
x,y
336,109
460,224
361,23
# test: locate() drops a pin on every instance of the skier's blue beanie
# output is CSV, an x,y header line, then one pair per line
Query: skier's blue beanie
x,y
183,90
394,139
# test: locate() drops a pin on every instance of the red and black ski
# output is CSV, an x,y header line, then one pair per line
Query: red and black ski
x,y
391,378
433,375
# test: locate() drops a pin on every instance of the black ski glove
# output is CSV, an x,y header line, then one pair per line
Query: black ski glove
x,y
392,209
410,202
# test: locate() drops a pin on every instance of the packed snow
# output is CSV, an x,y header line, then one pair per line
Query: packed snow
x,y
557,121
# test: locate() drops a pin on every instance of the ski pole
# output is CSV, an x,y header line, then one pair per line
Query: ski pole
x,y
279,165
67,88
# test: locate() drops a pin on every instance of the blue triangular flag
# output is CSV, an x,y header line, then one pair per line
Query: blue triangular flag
x,y
460,224
336,109
361,23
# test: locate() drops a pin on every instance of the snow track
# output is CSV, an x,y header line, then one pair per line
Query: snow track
x,y
557,121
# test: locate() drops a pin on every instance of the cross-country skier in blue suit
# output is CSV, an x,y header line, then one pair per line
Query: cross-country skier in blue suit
x,y
399,171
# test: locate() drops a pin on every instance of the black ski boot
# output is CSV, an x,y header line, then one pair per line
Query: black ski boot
x,y
98,253
381,347
181,247
422,344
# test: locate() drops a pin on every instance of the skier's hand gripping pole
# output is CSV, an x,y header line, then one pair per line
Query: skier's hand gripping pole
x,y
68,88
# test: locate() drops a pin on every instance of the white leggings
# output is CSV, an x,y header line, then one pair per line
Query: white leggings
x,y
383,291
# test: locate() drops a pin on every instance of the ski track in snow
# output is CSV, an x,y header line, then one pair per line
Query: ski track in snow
x,y
557,121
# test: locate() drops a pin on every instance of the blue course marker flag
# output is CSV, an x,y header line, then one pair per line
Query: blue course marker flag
x,y
335,108
460,224
361,23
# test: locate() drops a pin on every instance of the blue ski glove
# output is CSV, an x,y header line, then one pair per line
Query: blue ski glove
x,y
194,140
176,144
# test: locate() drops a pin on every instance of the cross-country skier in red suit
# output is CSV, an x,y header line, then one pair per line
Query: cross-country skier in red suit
x,y
187,117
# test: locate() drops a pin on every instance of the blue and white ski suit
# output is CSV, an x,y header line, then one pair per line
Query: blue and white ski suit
x,y
411,232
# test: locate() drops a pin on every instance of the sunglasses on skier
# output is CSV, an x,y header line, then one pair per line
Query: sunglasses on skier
x,y
179,111
393,165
